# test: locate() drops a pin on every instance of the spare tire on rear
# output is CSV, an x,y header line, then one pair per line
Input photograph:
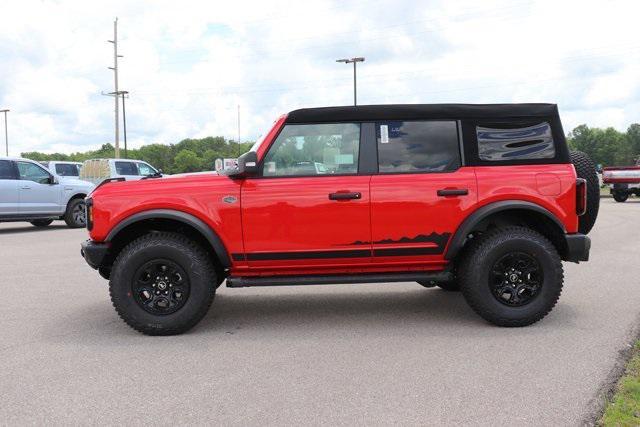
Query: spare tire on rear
x,y
586,169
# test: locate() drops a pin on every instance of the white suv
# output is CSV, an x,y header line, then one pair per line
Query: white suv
x,y
63,170
29,192
97,170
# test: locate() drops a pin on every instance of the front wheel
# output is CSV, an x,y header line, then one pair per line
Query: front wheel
x,y
511,276
162,284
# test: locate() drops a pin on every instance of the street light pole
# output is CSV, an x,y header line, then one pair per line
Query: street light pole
x,y
355,85
6,133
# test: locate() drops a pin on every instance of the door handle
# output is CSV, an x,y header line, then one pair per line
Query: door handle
x,y
25,188
453,192
345,196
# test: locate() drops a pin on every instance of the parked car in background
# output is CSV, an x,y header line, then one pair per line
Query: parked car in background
x,y
29,192
97,170
63,169
624,181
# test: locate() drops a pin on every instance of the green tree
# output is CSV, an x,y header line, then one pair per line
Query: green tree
x,y
187,161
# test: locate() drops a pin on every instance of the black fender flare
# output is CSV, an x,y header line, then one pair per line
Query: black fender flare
x,y
460,236
198,224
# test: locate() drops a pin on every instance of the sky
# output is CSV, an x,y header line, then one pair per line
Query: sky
x,y
188,65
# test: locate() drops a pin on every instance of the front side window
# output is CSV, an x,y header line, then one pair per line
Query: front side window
x,y
65,169
314,149
145,170
417,146
508,142
6,170
32,172
126,168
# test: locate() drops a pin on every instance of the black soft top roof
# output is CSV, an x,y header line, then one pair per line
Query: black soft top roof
x,y
421,111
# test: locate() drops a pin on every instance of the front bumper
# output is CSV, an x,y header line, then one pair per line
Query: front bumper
x,y
94,252
578,247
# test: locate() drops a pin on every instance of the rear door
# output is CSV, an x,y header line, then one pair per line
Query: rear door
x,y
421,194
310,207
37,194
127,169
9,196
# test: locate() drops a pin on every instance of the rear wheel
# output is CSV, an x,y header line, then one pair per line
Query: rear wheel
x,y
41,222
75,215
620,197
587,170
511,276
162,284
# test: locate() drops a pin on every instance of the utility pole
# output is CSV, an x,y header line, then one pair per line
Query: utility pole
x,y
238,123
115,81
6,134
353,61
124,122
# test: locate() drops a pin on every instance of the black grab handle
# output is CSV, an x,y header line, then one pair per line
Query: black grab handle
x,y
453,192
344,196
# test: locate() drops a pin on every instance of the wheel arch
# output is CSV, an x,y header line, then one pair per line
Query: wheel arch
x,y
509,212
166,220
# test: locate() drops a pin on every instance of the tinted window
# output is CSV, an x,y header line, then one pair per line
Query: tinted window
x,y
6,170
321,149
67,170
515,142
126,168
144,169
32,172
414,146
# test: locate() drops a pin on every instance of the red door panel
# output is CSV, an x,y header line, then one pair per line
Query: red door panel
x,y
411,224
291,224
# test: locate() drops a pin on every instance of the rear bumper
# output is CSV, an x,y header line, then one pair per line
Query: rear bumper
x,y
578,247
94,252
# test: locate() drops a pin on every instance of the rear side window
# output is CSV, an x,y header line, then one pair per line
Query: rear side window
x,y
508,142
67,170
417,146
126,168
6,170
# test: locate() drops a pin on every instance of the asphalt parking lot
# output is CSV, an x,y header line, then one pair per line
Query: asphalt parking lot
x,y
352,354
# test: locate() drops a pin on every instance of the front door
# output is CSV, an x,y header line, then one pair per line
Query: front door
x,y
37,194
421,193
309,207
8,189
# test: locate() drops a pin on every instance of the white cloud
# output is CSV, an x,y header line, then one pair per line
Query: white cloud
x,y
189,64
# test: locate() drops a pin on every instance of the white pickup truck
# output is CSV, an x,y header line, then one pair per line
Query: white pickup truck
x,y
624,181
29,192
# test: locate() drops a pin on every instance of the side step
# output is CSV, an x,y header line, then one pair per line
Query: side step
x,y
243,282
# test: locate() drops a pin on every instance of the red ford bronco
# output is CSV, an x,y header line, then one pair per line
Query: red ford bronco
x,y
485,199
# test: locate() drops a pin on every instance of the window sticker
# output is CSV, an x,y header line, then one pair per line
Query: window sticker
x,y
384,134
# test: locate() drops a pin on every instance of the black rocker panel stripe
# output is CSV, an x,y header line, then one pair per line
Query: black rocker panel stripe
x,y
359,253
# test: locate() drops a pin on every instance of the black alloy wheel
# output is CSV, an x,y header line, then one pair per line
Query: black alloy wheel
x,y
516,279
160,287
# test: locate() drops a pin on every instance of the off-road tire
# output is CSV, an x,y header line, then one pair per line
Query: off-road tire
x,y
620,197
71,215
586,169
474,273
41,222
450,286
187,254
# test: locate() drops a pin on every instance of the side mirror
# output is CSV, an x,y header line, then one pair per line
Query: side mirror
x,y
53,180
247,165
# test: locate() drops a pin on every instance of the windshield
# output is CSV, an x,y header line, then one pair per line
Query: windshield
x,y
257,144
